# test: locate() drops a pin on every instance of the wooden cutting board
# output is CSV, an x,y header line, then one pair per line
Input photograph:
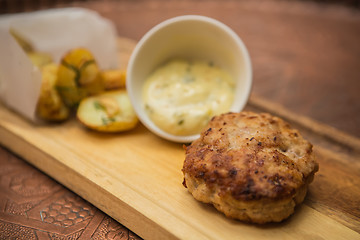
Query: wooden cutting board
x,y
136,177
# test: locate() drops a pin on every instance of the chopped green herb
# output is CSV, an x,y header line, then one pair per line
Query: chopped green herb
x,y
98,106
148,108
76,70
188,78
87,63
106,120
181,122
64,88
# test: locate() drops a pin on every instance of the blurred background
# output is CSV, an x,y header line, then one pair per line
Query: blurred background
x,y
13,6
305,54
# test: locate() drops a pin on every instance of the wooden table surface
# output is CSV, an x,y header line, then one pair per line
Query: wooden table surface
x,y
306,58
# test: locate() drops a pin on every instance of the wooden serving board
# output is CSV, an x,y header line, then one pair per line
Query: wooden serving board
x,y
136,178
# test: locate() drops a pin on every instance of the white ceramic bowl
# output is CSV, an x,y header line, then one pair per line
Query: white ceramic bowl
x,y
188,37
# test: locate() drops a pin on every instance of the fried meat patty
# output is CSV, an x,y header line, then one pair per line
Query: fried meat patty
x,y
252,167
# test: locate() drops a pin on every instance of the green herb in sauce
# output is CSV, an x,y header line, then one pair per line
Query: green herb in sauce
x,y
180,97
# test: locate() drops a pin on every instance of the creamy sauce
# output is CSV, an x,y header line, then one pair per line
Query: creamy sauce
x,y
180,97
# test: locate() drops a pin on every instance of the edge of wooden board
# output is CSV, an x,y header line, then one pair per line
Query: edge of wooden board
x,y
321,129
66,176
13,138
15,134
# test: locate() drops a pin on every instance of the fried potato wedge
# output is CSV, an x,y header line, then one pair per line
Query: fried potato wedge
x,y
113,79
78,76
107,112
50,106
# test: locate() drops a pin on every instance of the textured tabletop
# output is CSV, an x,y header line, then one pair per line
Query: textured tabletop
x,y
33,206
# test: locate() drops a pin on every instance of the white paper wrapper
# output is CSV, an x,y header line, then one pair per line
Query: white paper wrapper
x,y
53,31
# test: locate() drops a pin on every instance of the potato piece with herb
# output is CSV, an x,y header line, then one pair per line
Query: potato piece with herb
x,y
50,106
22,41
78,76
113,79
40,59
108,112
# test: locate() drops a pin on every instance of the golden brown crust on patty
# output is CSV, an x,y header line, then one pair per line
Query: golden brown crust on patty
x,y
250,166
